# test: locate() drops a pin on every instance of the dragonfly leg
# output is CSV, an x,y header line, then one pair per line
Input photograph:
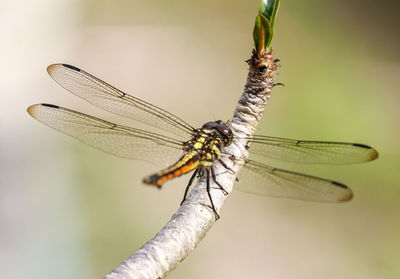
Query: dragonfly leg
x,y
225,166
214,178
209,194
189,184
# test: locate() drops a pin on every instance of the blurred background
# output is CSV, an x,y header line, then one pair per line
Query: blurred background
x,y
70,211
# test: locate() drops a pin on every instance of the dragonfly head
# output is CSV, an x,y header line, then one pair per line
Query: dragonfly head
x,y
222,129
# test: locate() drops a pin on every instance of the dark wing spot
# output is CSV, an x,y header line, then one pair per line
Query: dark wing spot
x,y
339,184
71,67
50,106
362,145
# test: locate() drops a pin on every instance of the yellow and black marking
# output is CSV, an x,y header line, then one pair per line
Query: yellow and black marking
x,y
200,152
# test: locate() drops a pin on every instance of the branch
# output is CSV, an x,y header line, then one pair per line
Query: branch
x,y
195,217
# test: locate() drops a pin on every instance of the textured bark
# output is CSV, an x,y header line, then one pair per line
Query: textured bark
x,y
195,217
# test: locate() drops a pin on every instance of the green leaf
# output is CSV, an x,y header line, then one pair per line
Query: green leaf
x,y
264,25
269,8
261,33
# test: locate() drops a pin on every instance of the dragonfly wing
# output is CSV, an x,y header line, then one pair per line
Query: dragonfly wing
x,y
261,179
107,97
115,139
312,152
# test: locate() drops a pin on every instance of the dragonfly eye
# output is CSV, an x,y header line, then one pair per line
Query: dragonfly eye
x,y
210,125
224,130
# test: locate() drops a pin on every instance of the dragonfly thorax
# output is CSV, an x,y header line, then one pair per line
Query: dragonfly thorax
x,y
208,141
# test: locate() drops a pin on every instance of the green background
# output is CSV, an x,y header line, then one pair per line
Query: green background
x,y
70,211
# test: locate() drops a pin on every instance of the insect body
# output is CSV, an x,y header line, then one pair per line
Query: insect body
x,y
201,147
200,152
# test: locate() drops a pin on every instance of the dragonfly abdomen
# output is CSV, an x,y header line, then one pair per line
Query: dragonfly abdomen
x,y
187,163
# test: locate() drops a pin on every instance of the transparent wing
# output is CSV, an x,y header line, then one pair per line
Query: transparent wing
x,y
109,98
312,152
115,139
257,178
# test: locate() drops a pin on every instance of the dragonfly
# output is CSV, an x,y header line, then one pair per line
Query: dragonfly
x,y
196,150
